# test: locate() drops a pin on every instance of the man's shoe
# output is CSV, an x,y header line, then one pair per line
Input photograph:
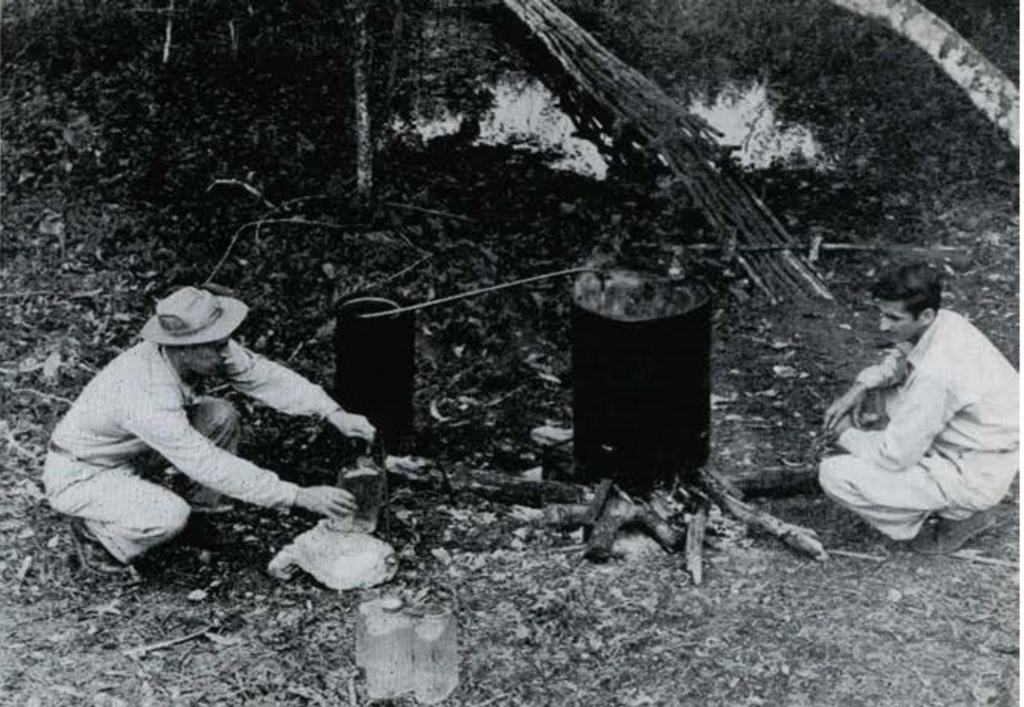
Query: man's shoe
x,y
947,536
91,554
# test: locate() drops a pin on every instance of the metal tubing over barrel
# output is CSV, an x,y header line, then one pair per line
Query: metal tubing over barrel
x,y
376,365
641,392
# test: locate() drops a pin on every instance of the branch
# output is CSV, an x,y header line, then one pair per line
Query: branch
x,y
259,224
41,394
8,436
245,185
433,212
167,32
394,276
49,293
140,651
981,560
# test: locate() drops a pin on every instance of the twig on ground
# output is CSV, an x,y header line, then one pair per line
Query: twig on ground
x,y
857,555
491,700
301,200
308,694
504,396
245,185
49,293
295,351
27,293
41,394
982,560
432,212
141,651
921,250
8,436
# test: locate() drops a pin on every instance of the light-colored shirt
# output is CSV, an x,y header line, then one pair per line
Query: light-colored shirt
x,y
138,402
954,393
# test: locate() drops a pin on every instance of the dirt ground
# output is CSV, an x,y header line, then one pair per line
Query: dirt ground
x,y
82,258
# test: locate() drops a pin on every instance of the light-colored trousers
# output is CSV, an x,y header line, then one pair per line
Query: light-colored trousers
x,y
952,485
127,514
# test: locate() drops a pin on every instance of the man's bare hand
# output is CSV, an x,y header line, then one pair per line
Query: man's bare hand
x,y
827,438
849,403
328,501
352,425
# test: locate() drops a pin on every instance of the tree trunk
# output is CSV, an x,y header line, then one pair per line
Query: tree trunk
x,y
364,144
988,87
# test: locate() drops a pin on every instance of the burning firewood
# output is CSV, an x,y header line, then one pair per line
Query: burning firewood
x,y
607,510
798,537
603,519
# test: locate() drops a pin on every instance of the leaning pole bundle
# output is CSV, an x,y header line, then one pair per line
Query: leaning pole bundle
x,y
625,107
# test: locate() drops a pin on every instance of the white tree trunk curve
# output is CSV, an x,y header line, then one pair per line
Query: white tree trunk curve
x,y
988,87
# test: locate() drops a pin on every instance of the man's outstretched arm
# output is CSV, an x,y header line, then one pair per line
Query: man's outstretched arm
x,y
285,390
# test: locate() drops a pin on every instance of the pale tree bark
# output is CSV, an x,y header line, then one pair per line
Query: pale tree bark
x,y
364,143
988,87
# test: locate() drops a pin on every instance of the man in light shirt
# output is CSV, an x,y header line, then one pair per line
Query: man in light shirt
x,y
950,446
144,400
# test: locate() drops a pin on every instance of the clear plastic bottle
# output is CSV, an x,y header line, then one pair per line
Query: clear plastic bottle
x,y
435,655
384,643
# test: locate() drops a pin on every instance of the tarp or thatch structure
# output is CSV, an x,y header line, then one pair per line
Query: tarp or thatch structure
x,y
625,110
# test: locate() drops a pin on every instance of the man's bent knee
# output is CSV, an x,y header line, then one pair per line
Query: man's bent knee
x,y
169,519
833,473
216,419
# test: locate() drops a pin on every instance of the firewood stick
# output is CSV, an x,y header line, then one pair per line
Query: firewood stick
x,y
618,512
602,537
660,530
798,537
694,542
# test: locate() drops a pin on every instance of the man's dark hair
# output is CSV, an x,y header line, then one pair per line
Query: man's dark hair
x,y
917,285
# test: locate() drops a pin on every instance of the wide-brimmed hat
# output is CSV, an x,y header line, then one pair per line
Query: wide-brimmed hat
x,y
193,316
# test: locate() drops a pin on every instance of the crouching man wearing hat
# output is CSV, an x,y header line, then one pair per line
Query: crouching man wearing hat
x,y
143,400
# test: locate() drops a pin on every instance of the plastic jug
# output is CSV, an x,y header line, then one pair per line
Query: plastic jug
x,y
384,647
435,654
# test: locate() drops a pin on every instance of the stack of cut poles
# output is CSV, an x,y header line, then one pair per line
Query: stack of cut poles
x,y
625,110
